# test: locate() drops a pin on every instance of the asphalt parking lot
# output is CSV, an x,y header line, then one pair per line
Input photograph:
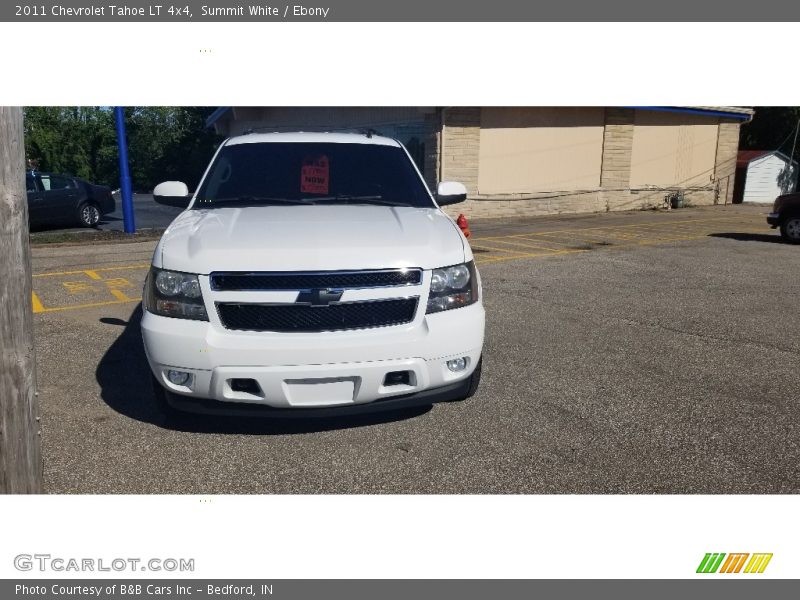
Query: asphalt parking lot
x,y
626,353
148,213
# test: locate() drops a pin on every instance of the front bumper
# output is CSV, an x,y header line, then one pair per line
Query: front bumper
x,y
319,371
202,406
774,219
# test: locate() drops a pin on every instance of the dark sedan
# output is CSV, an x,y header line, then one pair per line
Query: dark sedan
x,y
61,199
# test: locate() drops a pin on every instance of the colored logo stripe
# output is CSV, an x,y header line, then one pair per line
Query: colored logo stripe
x,y
758,563
710,562
735,561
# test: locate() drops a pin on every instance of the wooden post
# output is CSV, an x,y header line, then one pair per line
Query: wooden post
x,y
20,450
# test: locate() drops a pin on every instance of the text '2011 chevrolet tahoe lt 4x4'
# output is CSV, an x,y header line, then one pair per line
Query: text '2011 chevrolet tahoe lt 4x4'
x,y
312,274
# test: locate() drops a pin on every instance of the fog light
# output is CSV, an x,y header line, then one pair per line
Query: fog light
x,y
179,377
457,364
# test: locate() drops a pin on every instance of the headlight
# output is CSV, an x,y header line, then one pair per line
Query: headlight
x,y
453,287
174,294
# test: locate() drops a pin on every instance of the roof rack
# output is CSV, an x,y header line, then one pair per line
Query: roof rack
x,y
366,131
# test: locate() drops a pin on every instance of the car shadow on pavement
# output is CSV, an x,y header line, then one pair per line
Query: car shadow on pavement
x,y
72,227
124,378
750,237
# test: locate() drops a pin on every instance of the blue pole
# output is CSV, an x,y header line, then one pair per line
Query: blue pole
x,y
124,174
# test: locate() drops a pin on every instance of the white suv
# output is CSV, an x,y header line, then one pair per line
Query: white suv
x,y
311,274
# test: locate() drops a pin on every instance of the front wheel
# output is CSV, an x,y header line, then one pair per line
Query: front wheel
x,y
790,230
88,214
169,414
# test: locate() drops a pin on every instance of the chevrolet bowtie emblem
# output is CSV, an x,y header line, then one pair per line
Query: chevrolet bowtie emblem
x,y
319,297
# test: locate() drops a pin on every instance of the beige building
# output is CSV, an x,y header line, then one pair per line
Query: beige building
x,y
542,160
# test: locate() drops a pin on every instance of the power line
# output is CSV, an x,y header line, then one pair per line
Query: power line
x,y
786,139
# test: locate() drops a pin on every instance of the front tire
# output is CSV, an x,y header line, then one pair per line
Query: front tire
x,y
88,214
790,230
169,414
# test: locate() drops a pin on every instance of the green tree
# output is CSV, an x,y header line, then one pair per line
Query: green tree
x,y
163,143
68,139
772,128
181,153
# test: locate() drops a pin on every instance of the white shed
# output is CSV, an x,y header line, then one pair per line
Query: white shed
x,y
762,176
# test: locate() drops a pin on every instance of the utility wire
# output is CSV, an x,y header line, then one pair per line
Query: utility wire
x,y
786,139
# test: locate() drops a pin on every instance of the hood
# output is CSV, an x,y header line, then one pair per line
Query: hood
x,y
309,238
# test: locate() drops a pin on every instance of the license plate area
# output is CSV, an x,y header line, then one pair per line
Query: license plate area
x,y
327,391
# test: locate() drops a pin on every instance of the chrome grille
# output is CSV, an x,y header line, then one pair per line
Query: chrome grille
x,y
342,280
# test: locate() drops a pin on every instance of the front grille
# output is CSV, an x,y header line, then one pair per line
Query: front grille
x,y
310,280
304,318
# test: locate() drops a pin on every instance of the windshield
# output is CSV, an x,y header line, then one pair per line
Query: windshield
x,y
257,174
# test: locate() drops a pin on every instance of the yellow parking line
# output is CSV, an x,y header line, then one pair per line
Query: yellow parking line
x,y
599,227
618,234
652,242
680,228
91,305
95,271
646,242
522,256
591,238
93,275
645,232
524,245
621,236
663,224
121,296
37,304
493,249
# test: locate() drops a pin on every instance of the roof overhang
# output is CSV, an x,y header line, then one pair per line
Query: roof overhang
x,y
742,162
216,115
728,112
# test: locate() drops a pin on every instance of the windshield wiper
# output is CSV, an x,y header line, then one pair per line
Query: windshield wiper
x,y
247,200
375,200
267,200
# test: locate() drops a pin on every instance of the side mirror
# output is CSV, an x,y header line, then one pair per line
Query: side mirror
x,y
172,193
450,192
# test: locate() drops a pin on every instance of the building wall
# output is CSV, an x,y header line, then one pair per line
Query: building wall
x,y
643,156
460,146
727,151
617,143
673,149
565,144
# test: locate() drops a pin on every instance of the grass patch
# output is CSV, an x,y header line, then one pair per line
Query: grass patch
x,y
92,236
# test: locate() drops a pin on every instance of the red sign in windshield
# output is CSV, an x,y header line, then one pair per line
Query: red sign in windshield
x,y
315,175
